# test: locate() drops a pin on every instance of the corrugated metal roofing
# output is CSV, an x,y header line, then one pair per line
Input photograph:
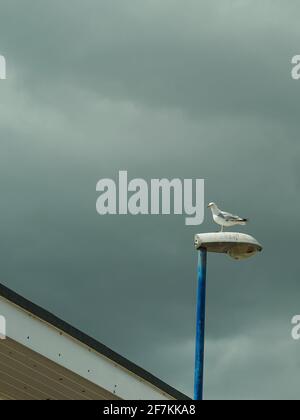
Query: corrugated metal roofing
x,y
26,375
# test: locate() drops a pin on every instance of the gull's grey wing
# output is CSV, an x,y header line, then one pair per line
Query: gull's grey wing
x,y
228,217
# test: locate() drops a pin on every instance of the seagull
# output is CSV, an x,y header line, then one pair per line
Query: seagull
x,y
225,219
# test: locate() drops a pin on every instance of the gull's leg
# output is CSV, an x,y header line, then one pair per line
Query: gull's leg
x,y
222,229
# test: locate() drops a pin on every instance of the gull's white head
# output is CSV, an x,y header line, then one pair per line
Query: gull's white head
x,y
212,206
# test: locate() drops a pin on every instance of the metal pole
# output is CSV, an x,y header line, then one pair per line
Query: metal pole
x,y
200,328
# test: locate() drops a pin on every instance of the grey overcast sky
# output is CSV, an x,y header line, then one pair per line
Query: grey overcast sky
x,y
161,88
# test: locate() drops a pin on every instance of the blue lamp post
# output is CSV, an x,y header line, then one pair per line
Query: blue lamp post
x,y
200,325
239,247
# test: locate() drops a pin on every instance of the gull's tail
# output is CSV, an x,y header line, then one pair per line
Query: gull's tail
x,y
243,222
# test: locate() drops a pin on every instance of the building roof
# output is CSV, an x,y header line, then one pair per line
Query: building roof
x,y
44,357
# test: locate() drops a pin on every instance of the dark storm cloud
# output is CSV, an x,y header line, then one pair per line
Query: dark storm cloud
x,y
160,55
162,89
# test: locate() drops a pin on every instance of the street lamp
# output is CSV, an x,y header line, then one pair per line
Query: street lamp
x,y
237,246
